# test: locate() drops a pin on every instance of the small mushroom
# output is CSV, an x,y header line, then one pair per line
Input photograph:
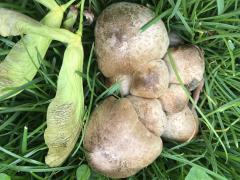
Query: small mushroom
x,y
121,47
117,143
174,99
150,113
189,63
181,126
151,80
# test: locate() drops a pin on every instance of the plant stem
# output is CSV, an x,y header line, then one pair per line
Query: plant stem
x,y
50,4
65,6
61,35
80,28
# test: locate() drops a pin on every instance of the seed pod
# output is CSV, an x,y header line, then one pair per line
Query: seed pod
x,y
120,45
181,126
189,63
26,25
151,80
174,99
66,111
22,63
12,23
118,145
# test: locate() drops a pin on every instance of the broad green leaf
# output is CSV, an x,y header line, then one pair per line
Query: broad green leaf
x,y
196,173
4,176
83,172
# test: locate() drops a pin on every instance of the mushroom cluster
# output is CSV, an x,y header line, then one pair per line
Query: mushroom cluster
x,y
124,135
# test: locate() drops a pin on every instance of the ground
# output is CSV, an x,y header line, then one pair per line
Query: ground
x,y
212,25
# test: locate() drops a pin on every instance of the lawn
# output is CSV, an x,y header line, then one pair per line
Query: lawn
x,y
213,25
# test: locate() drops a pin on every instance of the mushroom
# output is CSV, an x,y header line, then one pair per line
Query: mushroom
x,y
121,47
174,99
117,142
181,126
123,135
151,80
150,113
189,63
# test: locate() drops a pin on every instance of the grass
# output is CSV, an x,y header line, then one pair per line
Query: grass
x,y
212,25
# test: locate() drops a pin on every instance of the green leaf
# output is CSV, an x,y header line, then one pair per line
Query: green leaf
x,y
196,173
83,172
220,6
4,176
97,176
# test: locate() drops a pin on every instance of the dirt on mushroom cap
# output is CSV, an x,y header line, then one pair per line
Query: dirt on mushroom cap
x,y
120,46
151,80
118,144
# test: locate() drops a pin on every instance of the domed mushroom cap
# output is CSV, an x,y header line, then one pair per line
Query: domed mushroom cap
x,y
174,99
151,80
190,65
118,145
182,126
150,113
120,46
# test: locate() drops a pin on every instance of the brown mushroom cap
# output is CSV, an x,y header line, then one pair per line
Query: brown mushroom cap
x,y
150,113
120,45
190,65
151,80
118,145
174,99
182,126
